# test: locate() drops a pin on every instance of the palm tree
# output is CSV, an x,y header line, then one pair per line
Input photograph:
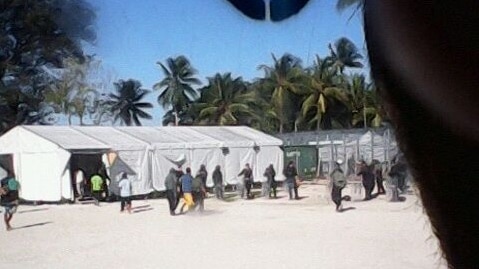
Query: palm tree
x,y
322,92
342,5
72,94
226,101
126,103
364,104
345,54
177,87
285,79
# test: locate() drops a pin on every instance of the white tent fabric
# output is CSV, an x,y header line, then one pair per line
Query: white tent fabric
x,y
67,138
268,152
164,150
132,158
239,151
41,154
203,149
40,165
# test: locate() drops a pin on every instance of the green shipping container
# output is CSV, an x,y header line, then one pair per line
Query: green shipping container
x,y
305,157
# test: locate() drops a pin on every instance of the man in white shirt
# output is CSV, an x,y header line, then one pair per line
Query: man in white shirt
x,y
79,182
125,193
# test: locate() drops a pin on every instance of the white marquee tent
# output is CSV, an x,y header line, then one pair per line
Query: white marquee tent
x,y
41,154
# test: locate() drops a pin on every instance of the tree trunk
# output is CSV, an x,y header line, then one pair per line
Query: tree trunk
x,y
69,119
175,113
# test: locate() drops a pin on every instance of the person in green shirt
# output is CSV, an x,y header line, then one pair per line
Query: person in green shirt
x,y
96,187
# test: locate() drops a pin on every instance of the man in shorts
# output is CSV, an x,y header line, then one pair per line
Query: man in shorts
x,y
9,198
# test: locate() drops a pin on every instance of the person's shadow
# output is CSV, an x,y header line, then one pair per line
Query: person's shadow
x,y
32,225
347,209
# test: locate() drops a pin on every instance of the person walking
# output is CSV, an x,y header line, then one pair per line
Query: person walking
x,y
203,174
186,186
378,174
9,188
96,187
179,192
125,193
271,184
291,173
218,182
247,174
338,182
198,191
171,185
79,183
368,179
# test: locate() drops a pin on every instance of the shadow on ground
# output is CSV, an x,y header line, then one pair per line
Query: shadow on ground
x,y
32,210
32,225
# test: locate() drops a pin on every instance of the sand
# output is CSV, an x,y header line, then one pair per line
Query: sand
x,y
257,233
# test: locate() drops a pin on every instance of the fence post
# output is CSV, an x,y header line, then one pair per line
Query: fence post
x,y
372,146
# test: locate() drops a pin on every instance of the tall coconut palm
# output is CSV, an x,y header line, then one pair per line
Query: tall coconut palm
x,y
226,101
322,92
176,89
285,79
345,54
364,105
127,102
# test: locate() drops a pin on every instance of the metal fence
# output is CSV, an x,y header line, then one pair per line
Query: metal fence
x,y
351,145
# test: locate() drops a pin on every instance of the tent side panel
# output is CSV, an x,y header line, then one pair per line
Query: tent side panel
x,y
40,177
136,165
163,161
266,156
210,158
235,162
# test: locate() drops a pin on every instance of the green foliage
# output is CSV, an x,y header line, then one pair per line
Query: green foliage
x,y
285,81
43,73
176,88
226,101
35,37
127,103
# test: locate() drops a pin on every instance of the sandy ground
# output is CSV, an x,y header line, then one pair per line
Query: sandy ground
x,y
242,234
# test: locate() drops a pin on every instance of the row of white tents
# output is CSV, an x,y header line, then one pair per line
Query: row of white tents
x,y
41,155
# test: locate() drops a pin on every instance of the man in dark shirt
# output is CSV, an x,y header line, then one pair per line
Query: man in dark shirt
x,y
271,185
218,182
368,179
171,184
291,173
247,174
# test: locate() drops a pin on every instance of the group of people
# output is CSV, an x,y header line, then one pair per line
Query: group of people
x,y
371,176
193,189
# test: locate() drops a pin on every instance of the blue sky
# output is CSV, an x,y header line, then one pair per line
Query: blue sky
x,y
134,35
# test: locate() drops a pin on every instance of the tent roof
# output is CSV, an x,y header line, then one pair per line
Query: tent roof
x,y
154,137
113,137
229,136
66,137
191,137
101,138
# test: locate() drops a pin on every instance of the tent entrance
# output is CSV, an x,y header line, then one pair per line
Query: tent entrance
x,y
90,164
6,164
